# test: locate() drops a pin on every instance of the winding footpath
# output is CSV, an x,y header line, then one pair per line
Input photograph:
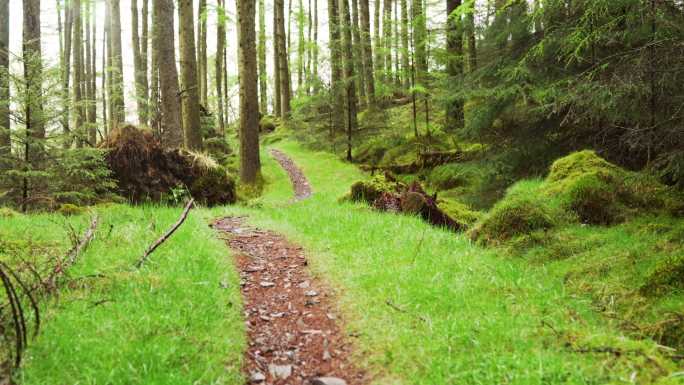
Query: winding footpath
x,y
293,328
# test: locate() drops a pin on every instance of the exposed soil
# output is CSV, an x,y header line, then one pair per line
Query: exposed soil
x,y
299,181
292,324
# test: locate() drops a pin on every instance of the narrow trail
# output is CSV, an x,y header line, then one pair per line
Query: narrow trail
x,y
301,185
292,325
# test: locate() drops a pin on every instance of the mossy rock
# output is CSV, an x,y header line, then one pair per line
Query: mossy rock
x,y
459,212
523,210
267,124
214,187
6,212
370,190
68,210
602,193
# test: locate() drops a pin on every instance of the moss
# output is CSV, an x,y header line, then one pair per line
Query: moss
x,y
370,190
6,212
219,149
459,212
523,210
268,124
668,275
601,193
70,210
214,186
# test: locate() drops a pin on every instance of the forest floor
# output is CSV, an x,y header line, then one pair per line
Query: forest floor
x,y
418,304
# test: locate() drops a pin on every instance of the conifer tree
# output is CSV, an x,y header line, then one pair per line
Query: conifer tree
x,y
190,97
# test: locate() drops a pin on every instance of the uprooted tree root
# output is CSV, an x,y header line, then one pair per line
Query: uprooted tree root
x,y
385,193
145,170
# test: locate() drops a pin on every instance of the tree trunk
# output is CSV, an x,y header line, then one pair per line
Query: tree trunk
x,y
78,102
358,53
405,66
103,84
33,69
250,164
202,60
118,102
261,51
314,48
387,40
163,45
141,89
454,32
367,54
419,42
277,95
336,86
283,66
91,98
377,42
301,46
188,65
65,61
144,58
220,47
472,44
5,140
349,73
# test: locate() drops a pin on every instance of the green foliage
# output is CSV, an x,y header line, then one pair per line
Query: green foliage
x,y
214,186
6,212
219,149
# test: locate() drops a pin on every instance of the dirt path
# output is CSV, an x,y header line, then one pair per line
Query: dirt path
x,y
299,182
292,325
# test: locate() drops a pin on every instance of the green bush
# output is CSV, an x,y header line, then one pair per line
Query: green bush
x,y
6,212
219,149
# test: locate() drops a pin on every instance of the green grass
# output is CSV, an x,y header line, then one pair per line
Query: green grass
x,y
169,323
469,315
461,314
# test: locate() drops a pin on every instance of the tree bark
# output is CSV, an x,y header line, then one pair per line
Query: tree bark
x,y
33,69
277,95
349,73
367,54
190,98
78,102
118,102
405,66
377,41
336,86
144,59
387,40
261,50
301,46
250,164
91,97
283,61
419,41
65,61
472,43
314,49
103,84
220,47
454,32
141,88
163,45
358,53
202,60
5,140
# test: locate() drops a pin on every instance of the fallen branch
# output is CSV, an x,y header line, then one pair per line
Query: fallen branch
x,y
166,235
70,258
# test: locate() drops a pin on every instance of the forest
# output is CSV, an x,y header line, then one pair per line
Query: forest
x,y
341,192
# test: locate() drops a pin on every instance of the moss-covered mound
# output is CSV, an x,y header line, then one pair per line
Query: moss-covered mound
x,y
68,210
369,191
219,149
146,171
459,212
524,209
599,192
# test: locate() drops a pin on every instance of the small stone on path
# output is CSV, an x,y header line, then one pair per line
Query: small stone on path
x,y
328,381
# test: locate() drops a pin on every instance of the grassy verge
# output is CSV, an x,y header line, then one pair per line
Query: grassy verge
x,y
460,313
176,321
